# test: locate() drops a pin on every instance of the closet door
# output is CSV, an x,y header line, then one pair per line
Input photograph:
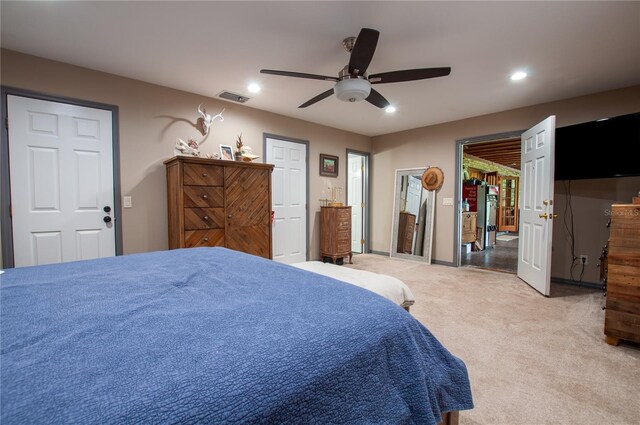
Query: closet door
x,y
248,210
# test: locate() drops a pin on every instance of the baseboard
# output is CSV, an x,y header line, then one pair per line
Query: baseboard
x,y
443,263
378,252
574,283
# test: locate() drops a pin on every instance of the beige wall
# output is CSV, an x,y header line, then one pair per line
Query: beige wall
x,y
435,146
151,120
591,201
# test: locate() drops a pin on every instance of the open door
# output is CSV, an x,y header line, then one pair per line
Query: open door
x,y
536,205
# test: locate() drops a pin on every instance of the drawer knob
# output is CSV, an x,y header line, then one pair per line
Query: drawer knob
x,y
205,174
229,216
206,217
205,197
205,240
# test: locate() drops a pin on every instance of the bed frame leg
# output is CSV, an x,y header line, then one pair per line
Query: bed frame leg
x,y
450,418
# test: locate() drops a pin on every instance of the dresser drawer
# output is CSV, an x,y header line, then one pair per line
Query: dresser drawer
x,y
202,175
344,246
203,218
203,196
196,238
343,214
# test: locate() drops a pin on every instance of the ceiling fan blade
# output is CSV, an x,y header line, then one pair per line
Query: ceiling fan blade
x,y
408,75
318,98
377,99
298,75
363,50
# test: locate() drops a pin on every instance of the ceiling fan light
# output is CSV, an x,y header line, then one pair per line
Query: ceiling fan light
x,y
352,89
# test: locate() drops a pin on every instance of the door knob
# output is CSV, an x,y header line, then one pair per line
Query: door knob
x,y
107,219
553,216
545,215
107,209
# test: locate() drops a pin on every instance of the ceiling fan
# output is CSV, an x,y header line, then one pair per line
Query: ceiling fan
x,y
353,83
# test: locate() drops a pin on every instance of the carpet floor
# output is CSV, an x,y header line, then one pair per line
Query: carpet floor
x,y
531,359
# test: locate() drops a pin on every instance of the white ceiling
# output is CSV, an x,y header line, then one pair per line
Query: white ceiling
x,y
568,48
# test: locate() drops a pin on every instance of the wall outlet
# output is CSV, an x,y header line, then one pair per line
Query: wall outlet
x,y
126,202
584,259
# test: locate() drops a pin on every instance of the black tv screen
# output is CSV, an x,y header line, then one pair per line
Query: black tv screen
x,y
599,149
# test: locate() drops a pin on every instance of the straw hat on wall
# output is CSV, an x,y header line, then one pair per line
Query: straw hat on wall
x,y
432,178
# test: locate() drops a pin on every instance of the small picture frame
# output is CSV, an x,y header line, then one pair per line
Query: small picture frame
x,y
328,165
226,153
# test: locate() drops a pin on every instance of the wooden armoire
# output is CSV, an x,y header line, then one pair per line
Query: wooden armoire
x,y
622,315
219,203
406,230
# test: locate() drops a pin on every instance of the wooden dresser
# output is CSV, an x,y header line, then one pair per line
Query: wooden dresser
x,y
622,315
219,203
335,233
469,226
406,229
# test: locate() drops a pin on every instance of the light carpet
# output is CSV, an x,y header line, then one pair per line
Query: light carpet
x,y
531,359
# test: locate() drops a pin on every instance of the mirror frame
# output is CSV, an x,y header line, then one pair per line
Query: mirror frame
x,y
395,217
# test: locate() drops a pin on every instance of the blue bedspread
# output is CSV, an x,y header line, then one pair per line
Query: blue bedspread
x,y
210,335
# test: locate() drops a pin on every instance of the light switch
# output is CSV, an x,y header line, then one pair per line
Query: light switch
x,y
447,201
126,202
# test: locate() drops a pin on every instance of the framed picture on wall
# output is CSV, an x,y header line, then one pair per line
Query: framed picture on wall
x,y
328,165
226,152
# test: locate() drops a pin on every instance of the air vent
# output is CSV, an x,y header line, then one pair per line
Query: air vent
x,y
234,97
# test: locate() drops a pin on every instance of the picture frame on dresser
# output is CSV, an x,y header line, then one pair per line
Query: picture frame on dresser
x,y
328,165
226,152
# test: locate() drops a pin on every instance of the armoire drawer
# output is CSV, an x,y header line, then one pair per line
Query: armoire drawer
x,y
203,196
203,218
196,238
203,175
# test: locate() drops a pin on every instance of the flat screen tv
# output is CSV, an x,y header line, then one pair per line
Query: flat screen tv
x,y
599,149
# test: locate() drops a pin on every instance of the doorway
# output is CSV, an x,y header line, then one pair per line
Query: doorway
x,y
358,199
289,199
60,180
490,189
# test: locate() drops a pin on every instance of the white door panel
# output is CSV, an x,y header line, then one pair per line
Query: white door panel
x,y
289,199
61,179
536,212
356,198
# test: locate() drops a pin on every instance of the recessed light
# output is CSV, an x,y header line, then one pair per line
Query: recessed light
x,y
390,109
253,88
520,75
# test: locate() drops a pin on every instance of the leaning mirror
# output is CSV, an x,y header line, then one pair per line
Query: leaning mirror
x,y
412,225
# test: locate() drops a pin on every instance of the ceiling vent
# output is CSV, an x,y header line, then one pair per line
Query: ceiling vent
x,y
234,97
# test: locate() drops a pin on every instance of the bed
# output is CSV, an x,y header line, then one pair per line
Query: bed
x,y
210,335
389,287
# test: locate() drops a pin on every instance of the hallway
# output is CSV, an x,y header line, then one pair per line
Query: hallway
x,y
502,257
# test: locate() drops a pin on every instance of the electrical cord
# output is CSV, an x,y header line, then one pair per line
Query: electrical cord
x,y
568,224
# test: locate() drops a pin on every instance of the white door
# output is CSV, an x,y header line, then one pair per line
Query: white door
x,y
536,205
414,196
356,200
61,170
289,199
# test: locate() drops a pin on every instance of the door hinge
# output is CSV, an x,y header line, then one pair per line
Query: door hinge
x,y
361,241
6,123
362,205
